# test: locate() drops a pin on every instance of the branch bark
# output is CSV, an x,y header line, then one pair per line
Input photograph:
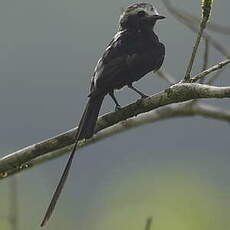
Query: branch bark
x,y
214,68
48,149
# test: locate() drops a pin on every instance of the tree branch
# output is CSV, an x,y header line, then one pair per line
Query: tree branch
x,y
202,26
50,148
206,55
195,28
211,26
162,73
213,78
214,68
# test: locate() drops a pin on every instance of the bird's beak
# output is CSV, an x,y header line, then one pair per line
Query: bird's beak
x,y
158,17
153,18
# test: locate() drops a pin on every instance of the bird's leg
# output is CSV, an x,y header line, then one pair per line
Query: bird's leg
x,y
111,94
137,91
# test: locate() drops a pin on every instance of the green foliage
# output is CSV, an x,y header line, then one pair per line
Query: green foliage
x,y
175,199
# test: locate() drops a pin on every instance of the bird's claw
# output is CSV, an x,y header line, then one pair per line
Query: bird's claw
x,y
117,108
144,96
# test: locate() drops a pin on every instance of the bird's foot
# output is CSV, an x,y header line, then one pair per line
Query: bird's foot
x,y
117,108
143,96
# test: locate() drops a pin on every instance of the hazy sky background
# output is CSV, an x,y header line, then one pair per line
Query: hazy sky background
x,y
48,50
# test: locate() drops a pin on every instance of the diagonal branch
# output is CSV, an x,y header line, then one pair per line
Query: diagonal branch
x,y
218,28
214,77
206,6
186,21
37,153
214,68
162,73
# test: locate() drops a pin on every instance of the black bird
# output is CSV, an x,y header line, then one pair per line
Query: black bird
x,y
133,52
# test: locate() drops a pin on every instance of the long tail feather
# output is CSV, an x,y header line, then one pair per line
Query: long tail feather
x,y
85,130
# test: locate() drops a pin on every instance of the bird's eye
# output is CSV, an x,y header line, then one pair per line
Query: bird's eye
x,y
141,13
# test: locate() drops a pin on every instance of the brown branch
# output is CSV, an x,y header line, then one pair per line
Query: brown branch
x,y
48,149
214,68
206,10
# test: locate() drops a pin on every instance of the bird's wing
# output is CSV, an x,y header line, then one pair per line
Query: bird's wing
x,y
127,58
112,62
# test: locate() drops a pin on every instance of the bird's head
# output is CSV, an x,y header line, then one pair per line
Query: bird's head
x,y
138,16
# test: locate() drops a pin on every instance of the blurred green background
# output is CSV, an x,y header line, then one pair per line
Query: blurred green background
x,y
176,171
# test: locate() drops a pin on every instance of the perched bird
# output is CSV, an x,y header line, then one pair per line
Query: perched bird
x,y
134,51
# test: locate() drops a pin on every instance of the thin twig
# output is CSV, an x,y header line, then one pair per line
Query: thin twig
x,y
166,76
211,26
206,54
206,9
205,63
205,58
217,45
194,50
213,78
214,68
148,223
187,22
